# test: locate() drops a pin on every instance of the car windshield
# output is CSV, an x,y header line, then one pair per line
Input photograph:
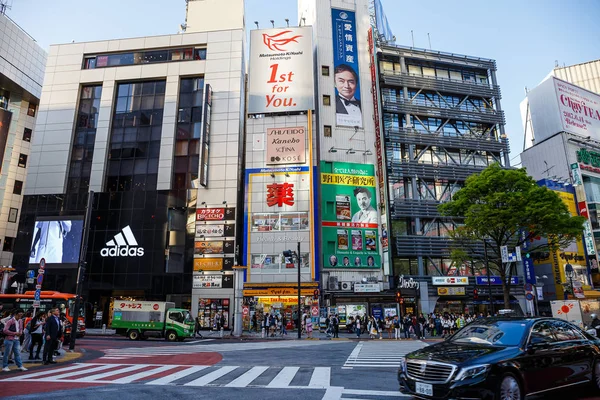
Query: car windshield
x,y
496,333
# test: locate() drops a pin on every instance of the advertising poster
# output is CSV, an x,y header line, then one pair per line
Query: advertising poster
x,y
58,241
281,70
348,106
213,247
350,220
213,264
286,146
579,109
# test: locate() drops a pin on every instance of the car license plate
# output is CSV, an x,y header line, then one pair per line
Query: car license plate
x,y
424,388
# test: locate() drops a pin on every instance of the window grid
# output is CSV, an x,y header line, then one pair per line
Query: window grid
x,y
143,57
135,136
82,151
188,139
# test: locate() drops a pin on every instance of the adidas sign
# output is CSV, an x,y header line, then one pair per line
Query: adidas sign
x,y
123,245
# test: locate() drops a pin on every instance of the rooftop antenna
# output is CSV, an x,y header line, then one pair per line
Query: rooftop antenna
x,y
273,23
429,37
5,5
413,38
555,63
287,21
256,22
304,20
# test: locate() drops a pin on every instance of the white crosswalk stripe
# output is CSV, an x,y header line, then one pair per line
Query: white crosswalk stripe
x,y
381,354
185,375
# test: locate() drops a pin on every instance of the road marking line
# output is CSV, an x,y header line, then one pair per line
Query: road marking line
x,y
47,372
142,375
321,377
79,372
213,376
247,378
98,377
374,393
177,375
333,393
284,378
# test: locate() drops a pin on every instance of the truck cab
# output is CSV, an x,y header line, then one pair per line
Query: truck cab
x,y
179,324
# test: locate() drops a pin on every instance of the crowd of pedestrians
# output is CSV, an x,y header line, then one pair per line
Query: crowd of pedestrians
x,y
22,332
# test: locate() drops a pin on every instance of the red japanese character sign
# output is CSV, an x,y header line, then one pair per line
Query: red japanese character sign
x,y
280,194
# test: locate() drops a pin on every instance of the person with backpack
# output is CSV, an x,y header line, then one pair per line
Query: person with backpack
x,y
13,330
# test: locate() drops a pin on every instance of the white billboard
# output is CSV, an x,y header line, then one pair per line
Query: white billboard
x,y
281,70
558,106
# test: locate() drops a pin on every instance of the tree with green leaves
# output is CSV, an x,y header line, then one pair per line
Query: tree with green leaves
x,y
506,207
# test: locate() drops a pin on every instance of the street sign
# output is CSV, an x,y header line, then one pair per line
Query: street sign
x,y
41,271
36,304
245,311
314,311
504,252
36,296
528,287
40,279
529,296
43,263
518,251
38,287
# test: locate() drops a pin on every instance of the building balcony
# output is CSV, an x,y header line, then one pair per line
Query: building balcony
x,y
400,169
395,78
424,246
471,142
486,116
414,208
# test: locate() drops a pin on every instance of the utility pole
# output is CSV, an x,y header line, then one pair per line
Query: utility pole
x,y
489,278
81,268
299,297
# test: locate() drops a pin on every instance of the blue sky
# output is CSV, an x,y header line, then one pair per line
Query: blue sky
x,y
525,37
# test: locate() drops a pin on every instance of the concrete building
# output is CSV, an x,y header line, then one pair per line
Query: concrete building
x,y
22,63
153,126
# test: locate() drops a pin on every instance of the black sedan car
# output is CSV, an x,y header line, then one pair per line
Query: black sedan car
x,y
503,359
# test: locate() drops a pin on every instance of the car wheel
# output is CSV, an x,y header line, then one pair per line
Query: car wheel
x,y
597,374
134,335
171,336
510,388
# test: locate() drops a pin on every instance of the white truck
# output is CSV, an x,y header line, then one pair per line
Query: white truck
x,y
141,319
577,312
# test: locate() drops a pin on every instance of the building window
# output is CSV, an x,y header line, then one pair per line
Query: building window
x,y
23,160
143,57
18,187
9,244
326,100
327,131
82,151
135,136
31,110
325,70
188,140
12,214
27,135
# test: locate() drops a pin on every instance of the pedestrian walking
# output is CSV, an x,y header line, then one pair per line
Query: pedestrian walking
x,y
336,326
13,330
53,332
36,328
357,323
309,326
283,325
396,324
26,338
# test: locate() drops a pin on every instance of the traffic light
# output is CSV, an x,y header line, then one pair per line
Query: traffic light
x,y
398,296
475,294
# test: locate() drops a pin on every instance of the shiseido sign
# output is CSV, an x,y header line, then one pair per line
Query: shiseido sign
x,y
215,214
286,145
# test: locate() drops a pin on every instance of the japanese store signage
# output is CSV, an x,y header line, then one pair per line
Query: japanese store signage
x,y
348,107
213,247
579,109
215,214
281,70
279,194
451,291
366,288
207,281
350,220
219,230
213,264
449,280
286,146
495,280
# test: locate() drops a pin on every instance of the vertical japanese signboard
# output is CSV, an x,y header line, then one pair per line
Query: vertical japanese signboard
x,y
205,149
281,70
350,219
348,107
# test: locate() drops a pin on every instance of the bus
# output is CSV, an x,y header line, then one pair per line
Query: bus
x,y
48,299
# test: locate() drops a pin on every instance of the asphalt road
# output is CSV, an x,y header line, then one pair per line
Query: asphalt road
x,y
116,368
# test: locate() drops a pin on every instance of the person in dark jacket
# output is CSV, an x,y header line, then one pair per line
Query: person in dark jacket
x,y
53,333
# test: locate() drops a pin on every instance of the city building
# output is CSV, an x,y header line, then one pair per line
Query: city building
x,y
585,75
441,121
153,127
562,144
22,63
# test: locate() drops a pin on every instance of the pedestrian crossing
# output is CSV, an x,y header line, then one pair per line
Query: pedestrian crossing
x,y
381,354
153,351
185,375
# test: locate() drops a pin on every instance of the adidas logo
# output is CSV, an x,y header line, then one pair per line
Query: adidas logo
x,y
123,245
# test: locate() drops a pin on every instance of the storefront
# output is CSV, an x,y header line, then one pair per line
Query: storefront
x,y
212,293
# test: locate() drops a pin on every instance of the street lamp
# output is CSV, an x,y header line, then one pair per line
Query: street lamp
x,y
569,273
290,253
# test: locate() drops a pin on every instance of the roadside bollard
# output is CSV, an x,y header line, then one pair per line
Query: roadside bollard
x,y
103,328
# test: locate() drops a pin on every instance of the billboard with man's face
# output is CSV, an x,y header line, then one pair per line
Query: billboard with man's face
x,y
349,214
348,107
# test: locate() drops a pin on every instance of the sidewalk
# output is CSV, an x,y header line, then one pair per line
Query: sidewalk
x,y
64,356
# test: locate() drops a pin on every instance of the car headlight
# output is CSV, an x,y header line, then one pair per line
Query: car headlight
x,y
472,371
403,364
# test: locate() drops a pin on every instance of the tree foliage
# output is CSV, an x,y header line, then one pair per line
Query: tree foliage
x,y
506,207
